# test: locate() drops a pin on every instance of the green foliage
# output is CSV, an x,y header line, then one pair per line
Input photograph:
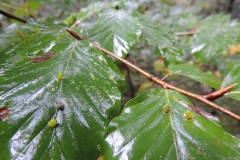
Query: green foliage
x,y
146,130
191,71
232,78
116,31
60,98
159,37
33,84
214,36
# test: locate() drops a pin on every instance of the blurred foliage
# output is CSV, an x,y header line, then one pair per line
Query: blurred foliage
x,y
214,47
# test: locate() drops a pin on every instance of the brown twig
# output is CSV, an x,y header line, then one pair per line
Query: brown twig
x,y
164,84
17,9
219,93
186,33
10,15
165,77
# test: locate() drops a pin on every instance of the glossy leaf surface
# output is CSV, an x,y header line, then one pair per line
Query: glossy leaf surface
x,y
159,37
159,124
115,31
33,85
85,13
191,71
232,78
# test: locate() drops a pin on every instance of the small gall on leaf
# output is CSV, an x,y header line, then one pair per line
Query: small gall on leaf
x,y
20,34
188,115
36,29
60,107
52,123
166,108
60,77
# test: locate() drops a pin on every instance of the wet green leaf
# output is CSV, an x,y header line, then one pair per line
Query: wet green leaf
x,y
144,130
115,31
85,13
231,78
160,37
40,71
191,71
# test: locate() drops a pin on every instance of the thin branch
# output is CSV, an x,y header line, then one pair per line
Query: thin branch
x,y
10,15
186,33
165,77
219,93
17,9
162,83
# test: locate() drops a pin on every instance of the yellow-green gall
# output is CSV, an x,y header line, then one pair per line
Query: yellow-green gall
x,y
166,108
36,29
60,77
188,115
52,123
20,34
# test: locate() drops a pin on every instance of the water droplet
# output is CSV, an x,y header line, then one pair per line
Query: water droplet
x,y
127,110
